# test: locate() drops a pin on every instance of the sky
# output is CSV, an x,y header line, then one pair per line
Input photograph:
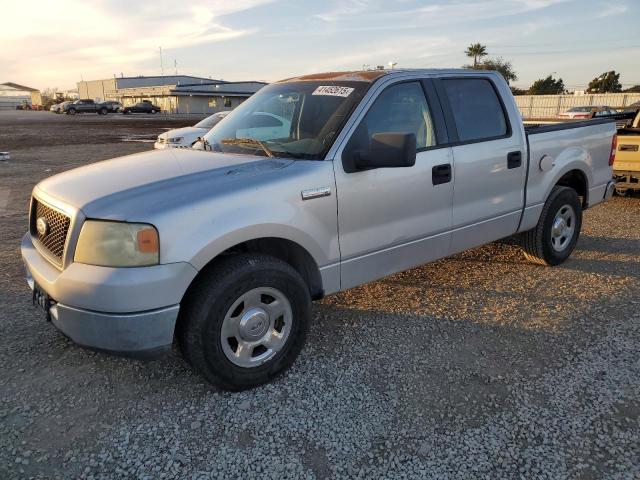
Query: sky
x,y
56,43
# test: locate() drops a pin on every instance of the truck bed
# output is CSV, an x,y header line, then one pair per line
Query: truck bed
x,y
556,149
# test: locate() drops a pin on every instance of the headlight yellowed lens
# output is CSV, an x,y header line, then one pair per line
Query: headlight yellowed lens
x,y
117,244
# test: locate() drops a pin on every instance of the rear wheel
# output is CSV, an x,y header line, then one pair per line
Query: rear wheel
x,y
555,236
103,111
245,321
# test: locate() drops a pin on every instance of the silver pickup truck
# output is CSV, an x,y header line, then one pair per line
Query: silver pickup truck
x,y
314,185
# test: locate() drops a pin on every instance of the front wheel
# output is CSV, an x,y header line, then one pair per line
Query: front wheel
x,y
555,236
244,321
71,111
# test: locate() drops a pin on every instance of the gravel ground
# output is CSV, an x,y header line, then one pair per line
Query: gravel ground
x,y
476,366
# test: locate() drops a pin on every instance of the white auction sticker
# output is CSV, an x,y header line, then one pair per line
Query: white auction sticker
x,y
333,90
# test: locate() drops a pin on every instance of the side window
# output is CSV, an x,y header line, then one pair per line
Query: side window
x,y
400,108
476,108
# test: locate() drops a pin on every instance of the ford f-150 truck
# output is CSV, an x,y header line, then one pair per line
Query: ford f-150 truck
x,y
222,249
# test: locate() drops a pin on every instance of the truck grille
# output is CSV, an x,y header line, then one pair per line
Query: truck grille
x,y
54,236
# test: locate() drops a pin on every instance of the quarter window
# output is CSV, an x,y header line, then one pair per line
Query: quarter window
x,y
476,108
401,108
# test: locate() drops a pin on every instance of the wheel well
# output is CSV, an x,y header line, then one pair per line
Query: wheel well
x,y
287,251
577,180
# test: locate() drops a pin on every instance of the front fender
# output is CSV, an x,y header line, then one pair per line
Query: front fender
x,y
254,232
262,207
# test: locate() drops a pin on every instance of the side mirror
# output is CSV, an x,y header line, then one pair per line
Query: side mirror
x,y
387,150
198,144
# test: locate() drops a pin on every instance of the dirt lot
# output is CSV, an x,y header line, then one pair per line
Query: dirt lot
x,y
477,366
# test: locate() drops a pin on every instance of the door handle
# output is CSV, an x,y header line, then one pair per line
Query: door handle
x,y
441,174
514,159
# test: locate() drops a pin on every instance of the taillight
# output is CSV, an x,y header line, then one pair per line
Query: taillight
x,y
614,147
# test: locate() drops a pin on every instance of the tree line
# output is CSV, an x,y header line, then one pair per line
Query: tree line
x,y
608,82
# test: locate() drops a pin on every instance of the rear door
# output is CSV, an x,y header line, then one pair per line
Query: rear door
x,y
391,219
489,157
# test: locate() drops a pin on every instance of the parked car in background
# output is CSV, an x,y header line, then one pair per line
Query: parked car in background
x,y
623,118
111,105
263,126
184,137
84,106
57,107
224,248
141,107
587,111
626,168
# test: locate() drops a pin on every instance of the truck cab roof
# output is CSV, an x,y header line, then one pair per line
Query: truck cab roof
x,y
373,75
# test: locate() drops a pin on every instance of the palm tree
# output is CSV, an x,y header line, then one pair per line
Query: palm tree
x,y
476,51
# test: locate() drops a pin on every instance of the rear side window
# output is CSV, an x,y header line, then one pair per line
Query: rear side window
x,y
476,108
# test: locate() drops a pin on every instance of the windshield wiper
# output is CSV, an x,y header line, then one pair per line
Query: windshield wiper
x,y
247,142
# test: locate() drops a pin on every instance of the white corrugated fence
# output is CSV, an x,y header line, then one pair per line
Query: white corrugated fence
x,y
547,106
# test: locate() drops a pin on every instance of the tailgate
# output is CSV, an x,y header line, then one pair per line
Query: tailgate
x,y
628,154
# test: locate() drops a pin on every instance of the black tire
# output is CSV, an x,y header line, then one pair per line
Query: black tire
x,y
71,111
206,303
537,244
103,111
153,112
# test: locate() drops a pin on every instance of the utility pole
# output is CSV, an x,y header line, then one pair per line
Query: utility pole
x,y
161,65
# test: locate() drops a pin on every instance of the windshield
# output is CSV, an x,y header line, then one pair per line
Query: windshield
x,y
291,119
211,120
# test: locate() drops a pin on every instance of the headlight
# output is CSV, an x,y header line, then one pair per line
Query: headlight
x,y
117,244
175,140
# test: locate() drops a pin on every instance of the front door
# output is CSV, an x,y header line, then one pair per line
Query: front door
x,y
391,219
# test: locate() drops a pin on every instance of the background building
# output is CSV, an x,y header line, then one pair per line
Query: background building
x,y
13,95
172,93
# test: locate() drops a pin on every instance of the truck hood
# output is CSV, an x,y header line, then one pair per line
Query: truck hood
x,y
119,188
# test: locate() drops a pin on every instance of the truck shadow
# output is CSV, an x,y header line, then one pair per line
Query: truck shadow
x,y
457,335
